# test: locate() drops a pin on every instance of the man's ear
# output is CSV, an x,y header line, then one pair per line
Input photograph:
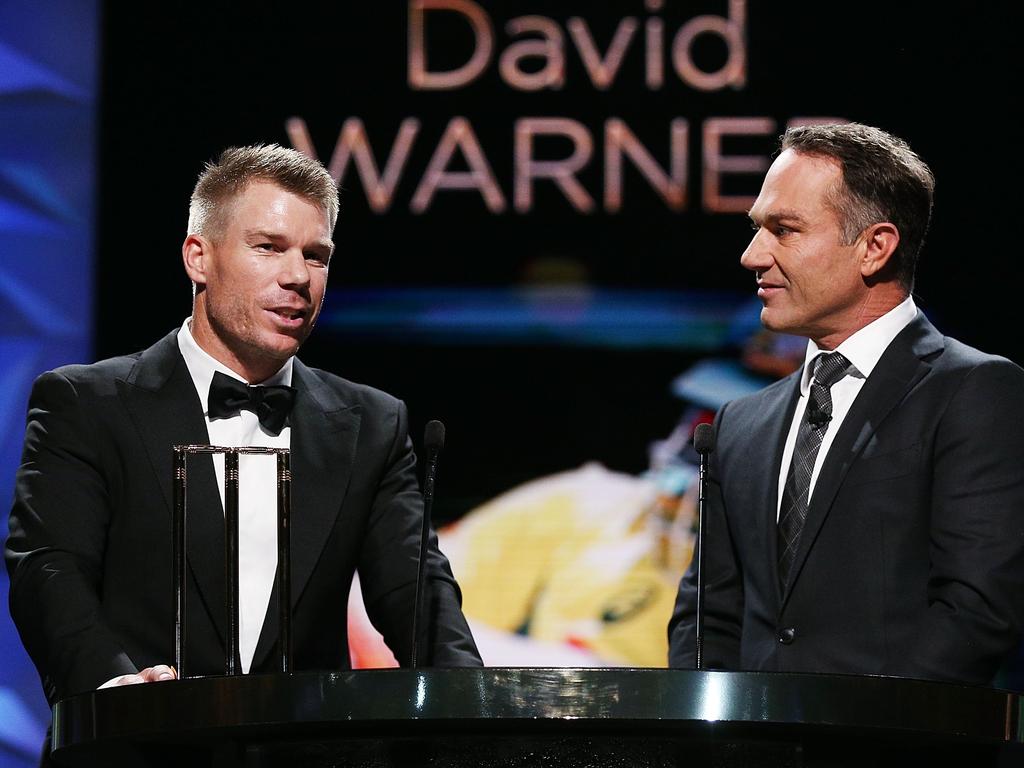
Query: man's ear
x,y
880,241
195,253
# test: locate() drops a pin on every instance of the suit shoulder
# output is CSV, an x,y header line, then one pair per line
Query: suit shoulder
x,y
964,357
98,377
762,399
112,367
979,383
353,393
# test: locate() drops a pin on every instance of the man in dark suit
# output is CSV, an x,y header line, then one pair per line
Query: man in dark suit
x,y
865,514
89,551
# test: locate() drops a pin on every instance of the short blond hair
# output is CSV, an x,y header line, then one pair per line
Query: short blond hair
x,y
221,182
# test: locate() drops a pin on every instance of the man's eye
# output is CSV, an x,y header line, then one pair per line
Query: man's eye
x,y
265,247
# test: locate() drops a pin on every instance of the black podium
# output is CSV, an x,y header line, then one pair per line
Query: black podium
x,y
628,718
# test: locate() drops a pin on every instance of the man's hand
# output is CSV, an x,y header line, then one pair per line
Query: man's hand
x,y
148,675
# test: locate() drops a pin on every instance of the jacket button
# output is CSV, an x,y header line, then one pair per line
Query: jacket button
x,y
787,635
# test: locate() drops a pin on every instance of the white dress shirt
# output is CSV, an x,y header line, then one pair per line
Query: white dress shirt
x,y
863,349
257,490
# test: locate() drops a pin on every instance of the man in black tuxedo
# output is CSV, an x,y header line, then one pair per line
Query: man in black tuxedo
x,y
865,514
89,551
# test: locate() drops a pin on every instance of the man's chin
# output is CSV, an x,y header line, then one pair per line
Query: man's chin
x,y
284,338
769,319
279,346
285,348
775,321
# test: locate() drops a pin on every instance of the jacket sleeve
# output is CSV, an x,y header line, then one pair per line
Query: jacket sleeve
x,y
55,550
975,611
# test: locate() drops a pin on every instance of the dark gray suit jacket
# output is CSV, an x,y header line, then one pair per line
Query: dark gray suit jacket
x,y
911,561
89,551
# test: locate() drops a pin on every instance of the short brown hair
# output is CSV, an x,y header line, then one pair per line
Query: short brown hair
x,y
883,180
237,167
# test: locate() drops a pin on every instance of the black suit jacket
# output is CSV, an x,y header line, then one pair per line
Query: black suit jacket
x,y
89,551
911,561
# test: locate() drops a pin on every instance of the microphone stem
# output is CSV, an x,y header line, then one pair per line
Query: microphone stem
x,y
701,524
428,502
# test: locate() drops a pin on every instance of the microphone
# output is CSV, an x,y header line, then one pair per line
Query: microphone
x,y
704,440
704,444
433,442
817,417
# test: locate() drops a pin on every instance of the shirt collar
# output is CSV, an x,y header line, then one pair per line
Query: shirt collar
x,y
864,348
201,366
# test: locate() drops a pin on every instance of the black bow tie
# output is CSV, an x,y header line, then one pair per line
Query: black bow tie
x,y
271,405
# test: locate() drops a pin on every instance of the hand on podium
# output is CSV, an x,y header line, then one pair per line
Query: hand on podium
x,y
148,675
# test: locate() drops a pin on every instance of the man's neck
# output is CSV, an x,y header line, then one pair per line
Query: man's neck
x,y
253,372
876,304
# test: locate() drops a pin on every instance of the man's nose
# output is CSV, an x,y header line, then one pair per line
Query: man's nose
x,y
294,270
757,256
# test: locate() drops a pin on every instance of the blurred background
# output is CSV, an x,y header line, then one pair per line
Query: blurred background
x,y
543,208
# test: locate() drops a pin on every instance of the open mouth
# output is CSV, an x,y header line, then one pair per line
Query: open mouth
x,y
288,316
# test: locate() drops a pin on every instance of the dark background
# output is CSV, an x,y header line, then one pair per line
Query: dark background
x,y
181,82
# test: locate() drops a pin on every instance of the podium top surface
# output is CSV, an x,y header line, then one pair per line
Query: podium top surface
x,y
503,700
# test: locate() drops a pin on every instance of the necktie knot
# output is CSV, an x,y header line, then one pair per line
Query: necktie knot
x,y
271,404
830,368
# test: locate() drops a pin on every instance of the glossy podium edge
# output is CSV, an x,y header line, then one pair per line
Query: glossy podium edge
x,y
352,703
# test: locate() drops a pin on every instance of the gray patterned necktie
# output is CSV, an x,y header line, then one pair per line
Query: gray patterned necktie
x,y
828,369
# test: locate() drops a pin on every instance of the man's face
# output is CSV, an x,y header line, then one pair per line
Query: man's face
x,y
263,279
809,282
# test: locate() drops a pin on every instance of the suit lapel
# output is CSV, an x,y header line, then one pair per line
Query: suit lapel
x,y
162,401
323,444
898,371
